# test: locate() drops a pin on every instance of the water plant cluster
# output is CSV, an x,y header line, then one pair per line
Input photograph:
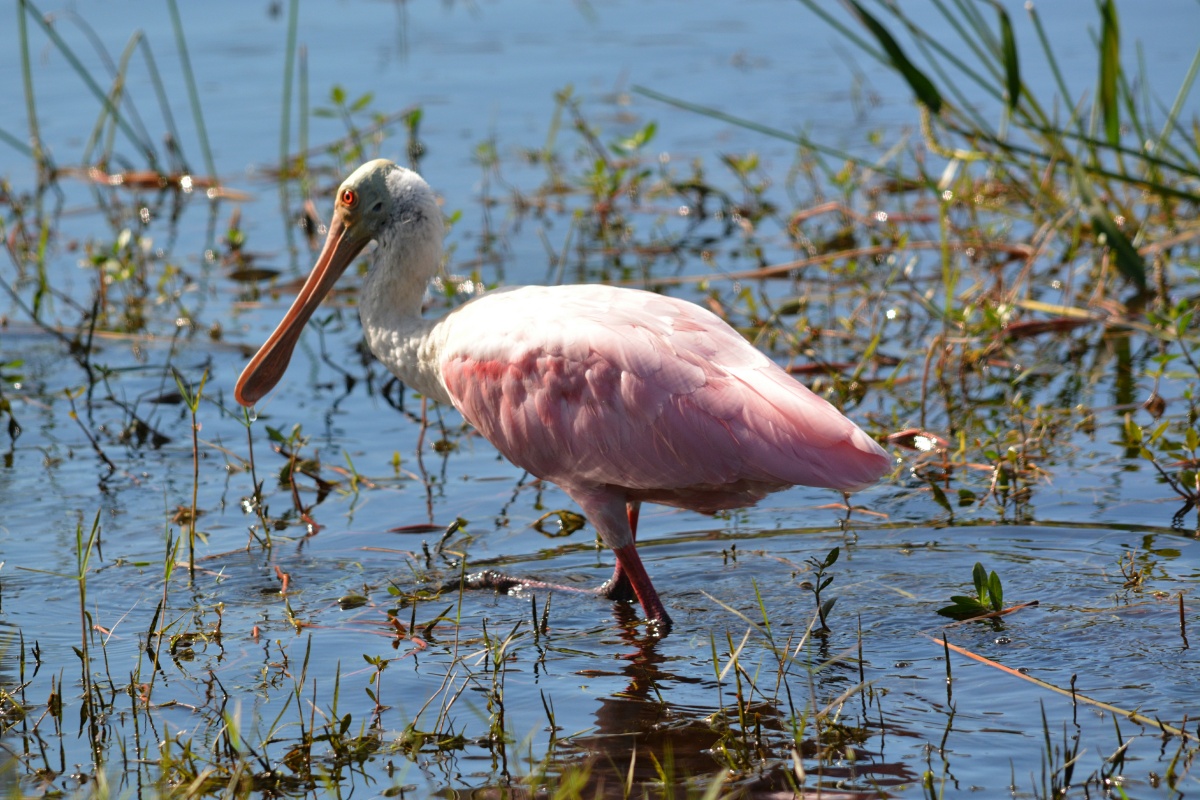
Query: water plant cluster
x,y
1004,295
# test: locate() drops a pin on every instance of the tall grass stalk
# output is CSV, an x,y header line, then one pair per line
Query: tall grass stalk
x,y
302,124
289,71
116,74
35,136
160,90
90,82
193,94
83,555
116,98
192,400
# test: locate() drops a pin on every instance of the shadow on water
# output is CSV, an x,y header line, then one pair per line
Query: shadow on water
x,y
640,738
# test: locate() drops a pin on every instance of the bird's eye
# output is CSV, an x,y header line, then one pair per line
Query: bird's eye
x,y
349,198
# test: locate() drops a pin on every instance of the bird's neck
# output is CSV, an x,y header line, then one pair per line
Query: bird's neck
x,y
390,310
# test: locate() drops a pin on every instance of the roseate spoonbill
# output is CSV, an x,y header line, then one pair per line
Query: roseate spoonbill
x,y
619,396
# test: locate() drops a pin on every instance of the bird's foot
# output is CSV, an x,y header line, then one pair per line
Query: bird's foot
x,y
487,579
659,626
617,588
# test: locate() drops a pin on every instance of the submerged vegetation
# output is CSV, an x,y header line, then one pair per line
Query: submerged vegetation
x,y
1004,295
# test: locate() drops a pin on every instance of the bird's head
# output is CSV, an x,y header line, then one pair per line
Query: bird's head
x,y
377,201
363,207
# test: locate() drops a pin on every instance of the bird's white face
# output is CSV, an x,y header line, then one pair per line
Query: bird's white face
x,y
361,213
363,203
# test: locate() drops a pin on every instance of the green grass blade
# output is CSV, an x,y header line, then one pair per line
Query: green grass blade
x,y
115,98
193,94
1012,63
924,89
1180,98
35,137
1048,51
160,92
289,71
966,104
836,24
88,80
1110,70
1158,187
117,73
774,133
1128,260
302,134
980,42
17,144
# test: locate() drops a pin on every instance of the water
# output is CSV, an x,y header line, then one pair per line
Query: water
x,y
234,648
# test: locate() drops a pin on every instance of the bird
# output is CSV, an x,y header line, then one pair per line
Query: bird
x,y
619,396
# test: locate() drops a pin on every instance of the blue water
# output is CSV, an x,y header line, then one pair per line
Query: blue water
x,y
488,72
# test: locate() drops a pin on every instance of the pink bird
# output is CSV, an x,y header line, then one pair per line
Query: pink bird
x,y
619,396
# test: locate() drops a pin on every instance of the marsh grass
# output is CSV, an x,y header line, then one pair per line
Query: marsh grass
x,y
1111,174
961,293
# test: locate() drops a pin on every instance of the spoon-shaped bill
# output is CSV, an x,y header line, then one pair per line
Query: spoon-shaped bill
x,y
271,360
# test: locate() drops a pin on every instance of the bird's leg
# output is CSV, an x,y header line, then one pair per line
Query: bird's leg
x,y
629,580
630,563
618,586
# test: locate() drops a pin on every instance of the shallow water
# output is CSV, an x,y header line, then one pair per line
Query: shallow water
x,y
235,647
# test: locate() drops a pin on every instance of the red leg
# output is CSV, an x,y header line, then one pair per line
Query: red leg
x,y
630,563
629,581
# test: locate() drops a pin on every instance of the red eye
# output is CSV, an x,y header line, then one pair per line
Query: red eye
x,y
349,198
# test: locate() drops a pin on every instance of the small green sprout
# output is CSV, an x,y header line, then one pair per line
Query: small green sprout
x,y
989,597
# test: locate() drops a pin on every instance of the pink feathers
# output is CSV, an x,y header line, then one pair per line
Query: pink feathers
x,y
593,386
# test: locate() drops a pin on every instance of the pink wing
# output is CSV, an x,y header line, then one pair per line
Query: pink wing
x,y
594,386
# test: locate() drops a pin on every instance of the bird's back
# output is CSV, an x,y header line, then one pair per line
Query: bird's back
x,y
596,385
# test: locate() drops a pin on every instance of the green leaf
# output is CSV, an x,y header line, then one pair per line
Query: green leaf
x,y
979,577
939,497
1012,64
832,557
337,94
963,608
635,142
1110,70
1133,431
922,87
362,102
1129,260
996,591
